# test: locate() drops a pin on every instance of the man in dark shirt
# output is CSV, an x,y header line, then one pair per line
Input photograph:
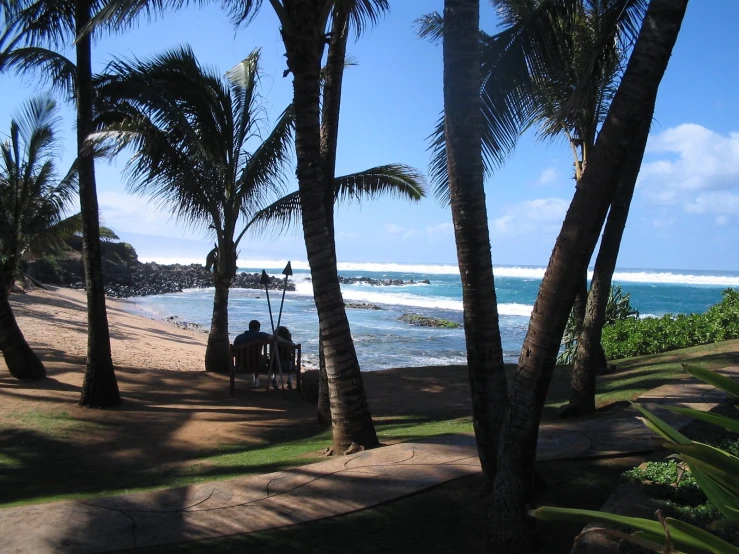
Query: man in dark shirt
x,y
252,334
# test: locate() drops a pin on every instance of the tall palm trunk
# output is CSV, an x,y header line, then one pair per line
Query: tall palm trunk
x,y
512,528
350,414
463,130
22,362
217,353
334,76
100,388
590,358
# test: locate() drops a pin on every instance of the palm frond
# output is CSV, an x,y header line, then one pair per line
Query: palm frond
x,y
51,67
363,13
51,239
278,217
397,180
264,171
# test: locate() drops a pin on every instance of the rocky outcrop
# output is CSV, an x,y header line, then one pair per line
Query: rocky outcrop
x,y
362,306
380,282
423,321
125,276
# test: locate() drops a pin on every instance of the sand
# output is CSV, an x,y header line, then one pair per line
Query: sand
x,y
172,410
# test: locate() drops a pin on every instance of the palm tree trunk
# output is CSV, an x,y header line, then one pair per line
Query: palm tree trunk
x,y
217,353
590,357
350,414
512,528
463,129
323,411
334,76
22,362
100,388
581,302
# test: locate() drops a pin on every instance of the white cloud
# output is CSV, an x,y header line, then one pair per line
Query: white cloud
x,y
433,232
701,170
127,212
540,216
720,203
722,220
547,176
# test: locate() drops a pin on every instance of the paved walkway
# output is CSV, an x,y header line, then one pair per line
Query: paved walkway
x,y
337,486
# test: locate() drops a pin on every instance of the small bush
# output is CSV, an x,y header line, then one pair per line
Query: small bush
x,y
636,337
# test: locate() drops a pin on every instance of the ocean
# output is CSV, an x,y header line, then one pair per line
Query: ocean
x,y
383,342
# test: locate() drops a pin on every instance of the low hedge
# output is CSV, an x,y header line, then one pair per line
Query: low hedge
x,y
637,337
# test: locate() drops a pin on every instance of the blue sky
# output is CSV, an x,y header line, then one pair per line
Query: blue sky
x,y
685,213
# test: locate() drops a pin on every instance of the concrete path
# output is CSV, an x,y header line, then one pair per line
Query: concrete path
x,y
337,486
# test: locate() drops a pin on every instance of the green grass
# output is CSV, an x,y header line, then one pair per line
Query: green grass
x,y
37,446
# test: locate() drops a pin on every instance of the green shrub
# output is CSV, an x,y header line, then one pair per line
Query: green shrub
x,y
637,337
618,308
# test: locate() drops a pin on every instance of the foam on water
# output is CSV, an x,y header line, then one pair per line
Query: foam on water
x,y
305,288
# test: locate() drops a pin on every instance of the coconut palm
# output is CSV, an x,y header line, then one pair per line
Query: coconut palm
x,y
304,30
553,68
33,205
34,39
190,130
620,141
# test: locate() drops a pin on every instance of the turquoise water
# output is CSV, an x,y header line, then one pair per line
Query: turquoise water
x,y
383,342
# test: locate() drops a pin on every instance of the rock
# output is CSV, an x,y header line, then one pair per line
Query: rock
x,y
362,306
328,452
378,282
423,321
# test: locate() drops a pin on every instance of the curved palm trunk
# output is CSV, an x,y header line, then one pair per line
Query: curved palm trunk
x,y
323,410
590,357
350,414
100,388
22,362
512,528
217,353
334,76
581,302
463,129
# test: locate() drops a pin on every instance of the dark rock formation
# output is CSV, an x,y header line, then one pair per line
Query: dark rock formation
x,y
380,282
125,276
362,306
423,321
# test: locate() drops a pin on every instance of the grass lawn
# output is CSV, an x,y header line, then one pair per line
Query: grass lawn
x,y
48,455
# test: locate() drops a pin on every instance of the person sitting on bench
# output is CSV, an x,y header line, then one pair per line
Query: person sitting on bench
x,y
286,356
253,334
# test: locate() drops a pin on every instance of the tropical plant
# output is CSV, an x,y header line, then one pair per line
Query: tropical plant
x,y
716,472
652,335
463,128
190,131
304,30
36,36
33,205
622,134
618,308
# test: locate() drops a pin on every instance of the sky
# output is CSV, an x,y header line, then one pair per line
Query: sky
x,y
685,212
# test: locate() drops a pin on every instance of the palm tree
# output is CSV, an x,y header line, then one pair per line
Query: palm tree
x,y
625,129
35,35
463,133
554,68
32,208
189,130
304,27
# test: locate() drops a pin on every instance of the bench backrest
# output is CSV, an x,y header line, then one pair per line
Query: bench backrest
x,y
251,356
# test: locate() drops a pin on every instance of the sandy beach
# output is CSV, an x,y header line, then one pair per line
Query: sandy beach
x,y
173,411
55,319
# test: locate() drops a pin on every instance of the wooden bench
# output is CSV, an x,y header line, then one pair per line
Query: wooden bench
x,y
254,357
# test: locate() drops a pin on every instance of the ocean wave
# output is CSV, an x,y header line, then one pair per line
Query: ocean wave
x,y
305,288
275,267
